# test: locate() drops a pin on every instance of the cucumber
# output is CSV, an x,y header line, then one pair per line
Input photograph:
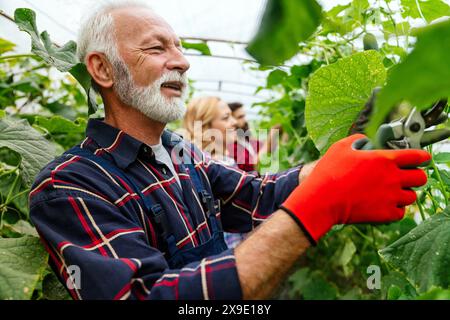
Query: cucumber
x,y
370,42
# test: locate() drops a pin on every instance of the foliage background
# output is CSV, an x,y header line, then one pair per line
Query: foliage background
x,y
43,114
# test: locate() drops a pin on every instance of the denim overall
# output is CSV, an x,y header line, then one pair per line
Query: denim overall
x,y
177,258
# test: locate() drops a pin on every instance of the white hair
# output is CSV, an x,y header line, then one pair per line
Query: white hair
x,y
97,34
97,31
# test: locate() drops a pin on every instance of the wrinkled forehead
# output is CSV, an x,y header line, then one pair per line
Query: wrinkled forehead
x,y
137,25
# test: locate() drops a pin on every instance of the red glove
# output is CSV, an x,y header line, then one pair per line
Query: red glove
x,y
356,186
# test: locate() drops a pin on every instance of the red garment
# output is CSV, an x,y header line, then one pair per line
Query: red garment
x,y
245,153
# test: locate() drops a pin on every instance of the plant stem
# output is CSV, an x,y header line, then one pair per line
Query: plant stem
x,y
11,190
442,188
362,234
374,245
8,172
19,194
394,24
422,214
16,56
441,182
297,137
420,11
433,201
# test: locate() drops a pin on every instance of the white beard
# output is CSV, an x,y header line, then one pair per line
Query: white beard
x,y
149,100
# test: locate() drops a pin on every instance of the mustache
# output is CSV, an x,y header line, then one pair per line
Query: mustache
x,y
172,76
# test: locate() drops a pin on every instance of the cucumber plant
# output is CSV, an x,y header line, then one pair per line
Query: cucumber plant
x,y
355,48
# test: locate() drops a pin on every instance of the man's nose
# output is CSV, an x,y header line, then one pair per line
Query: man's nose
x,y
178,61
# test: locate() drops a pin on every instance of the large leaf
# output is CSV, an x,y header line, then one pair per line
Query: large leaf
x,y
33,148
338,92
22,262
430,9
423,254
63,58
422,78
284,24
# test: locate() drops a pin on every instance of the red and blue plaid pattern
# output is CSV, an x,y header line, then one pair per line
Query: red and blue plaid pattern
x,y
90,218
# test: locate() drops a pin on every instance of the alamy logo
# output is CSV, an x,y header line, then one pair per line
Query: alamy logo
x,y
374,280
74,277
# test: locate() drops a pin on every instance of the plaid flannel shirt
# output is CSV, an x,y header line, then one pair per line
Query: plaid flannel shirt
x,y
89,218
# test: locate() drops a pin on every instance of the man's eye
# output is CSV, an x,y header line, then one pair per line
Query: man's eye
x,y
156,48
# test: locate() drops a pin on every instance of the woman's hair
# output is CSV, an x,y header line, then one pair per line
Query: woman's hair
x,y
235,106
198,118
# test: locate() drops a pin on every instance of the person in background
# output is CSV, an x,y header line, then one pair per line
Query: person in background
x,y
209,124
246,150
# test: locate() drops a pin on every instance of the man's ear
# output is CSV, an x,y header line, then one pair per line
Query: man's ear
x,y
100,69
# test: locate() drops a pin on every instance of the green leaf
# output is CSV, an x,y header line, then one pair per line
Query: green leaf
x,y
443,157
338,92
399,29
445,175
201,47
435,294
62,58
422,78
53,289
60,125
312,285
394,293
61,109
423,254
276,77
284,25
23,227
80,73
22,262
346,254
431,9
6,46
34,149
345,18
397,280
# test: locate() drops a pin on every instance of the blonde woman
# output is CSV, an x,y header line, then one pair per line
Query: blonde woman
x,y
209,124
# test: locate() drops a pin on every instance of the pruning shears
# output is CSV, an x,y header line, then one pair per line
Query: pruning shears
x,y
410,132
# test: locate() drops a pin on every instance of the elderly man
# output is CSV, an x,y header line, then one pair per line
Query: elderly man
x,y
136,212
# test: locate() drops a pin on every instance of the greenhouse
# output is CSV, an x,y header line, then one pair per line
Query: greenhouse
x,y
224,150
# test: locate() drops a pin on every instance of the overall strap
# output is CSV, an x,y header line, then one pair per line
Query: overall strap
x,y
205,196
155,209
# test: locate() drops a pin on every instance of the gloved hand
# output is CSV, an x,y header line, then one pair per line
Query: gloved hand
x,y
356,186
